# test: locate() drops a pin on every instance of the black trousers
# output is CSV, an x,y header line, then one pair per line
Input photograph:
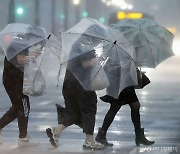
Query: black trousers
x,y
80,106
20,106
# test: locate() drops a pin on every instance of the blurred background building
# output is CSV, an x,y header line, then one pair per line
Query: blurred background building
x,y
59,15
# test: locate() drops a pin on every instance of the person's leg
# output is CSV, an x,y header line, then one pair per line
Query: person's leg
x,y
11,114
89,138
88,108
23,108
60,113
135,116
109,117
20,109
54,134
90,143
23,116
1,142
64,121
7,118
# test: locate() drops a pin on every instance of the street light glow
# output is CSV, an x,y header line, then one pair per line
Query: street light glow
x,y
133,15
20,10
76,2
176,47
130,6
108,3
62,16
104,1
85,14
120,3
102,19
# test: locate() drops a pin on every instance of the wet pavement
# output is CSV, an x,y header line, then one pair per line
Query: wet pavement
x,y
160,116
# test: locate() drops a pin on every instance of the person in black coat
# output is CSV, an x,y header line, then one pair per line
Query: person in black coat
x,y
80,104
13,83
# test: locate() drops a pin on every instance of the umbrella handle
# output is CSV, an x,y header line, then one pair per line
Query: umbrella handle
x,y
49,36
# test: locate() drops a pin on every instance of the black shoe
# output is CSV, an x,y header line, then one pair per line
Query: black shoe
x,y
51,137
101,138
141,139
107,99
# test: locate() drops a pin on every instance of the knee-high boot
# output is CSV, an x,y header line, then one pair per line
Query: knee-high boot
x,y
141,139
101,137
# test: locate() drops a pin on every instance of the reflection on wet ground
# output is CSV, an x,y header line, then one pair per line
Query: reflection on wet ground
x,y
160,104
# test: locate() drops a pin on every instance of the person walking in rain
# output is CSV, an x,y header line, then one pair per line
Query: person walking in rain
x,y
13,84
127,96
80,104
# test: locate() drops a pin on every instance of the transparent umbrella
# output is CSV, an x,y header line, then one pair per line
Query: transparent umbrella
x,y
152,42
26,47
90,39
16,37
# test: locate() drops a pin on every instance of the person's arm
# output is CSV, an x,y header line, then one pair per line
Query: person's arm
x,y
23,59
89,63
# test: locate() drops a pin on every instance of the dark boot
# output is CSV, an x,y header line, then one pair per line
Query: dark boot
x,y
60,113
141,139
101,138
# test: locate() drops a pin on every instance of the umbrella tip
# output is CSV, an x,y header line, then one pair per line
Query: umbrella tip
x,y
115,42
49,36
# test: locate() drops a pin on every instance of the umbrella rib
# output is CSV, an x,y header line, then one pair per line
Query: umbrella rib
x,y
100,67
39,67
54,47
86,35
120,70
42,60
53,42
19,33
59,66
109,52
76,57
97,37
29,46
53,52
160,39
58,58
150,50
125,51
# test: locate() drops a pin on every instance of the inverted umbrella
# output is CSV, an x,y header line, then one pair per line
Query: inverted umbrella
x,y
26,47
41,72
152,42
90,39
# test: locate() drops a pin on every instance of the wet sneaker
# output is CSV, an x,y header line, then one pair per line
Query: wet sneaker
x,y
52,137
93,145
27,141
1,142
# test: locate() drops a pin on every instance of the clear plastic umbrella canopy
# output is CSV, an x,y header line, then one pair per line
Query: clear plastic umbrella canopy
x,y
152,42
33,51
16,37
90,39
41,73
